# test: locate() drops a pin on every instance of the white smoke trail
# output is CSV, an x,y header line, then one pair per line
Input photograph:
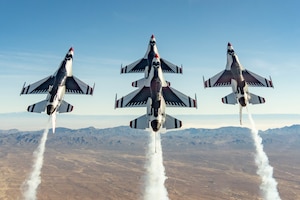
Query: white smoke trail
x,y
30,185
155,176
265,171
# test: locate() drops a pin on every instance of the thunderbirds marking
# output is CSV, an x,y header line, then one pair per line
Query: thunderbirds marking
x,y
56,86
239,79
144,64
155,94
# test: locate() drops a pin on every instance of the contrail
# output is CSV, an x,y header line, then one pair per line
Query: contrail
x,y
30,185
155,175
265,171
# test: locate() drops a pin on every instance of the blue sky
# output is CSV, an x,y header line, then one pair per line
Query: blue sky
x,y
35,36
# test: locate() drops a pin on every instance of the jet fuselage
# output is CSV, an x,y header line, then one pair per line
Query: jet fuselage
x,y
157,107
239,78
58,89
152,51
56,86
156,96
238,83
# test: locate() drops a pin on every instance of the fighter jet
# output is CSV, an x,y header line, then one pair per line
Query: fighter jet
x,y
56,86
239,79
155,94
144,64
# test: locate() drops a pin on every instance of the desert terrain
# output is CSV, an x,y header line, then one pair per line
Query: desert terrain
x,y
109,164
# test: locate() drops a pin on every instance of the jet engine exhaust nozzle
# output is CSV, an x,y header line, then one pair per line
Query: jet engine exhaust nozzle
x,y
242,101
155,124
50,110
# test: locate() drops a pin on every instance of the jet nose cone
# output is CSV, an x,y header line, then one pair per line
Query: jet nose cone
x,y
152,40
50,110
155,125
242,101
71,49
230,48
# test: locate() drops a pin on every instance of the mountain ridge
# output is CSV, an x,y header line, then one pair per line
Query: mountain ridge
x,y
125,136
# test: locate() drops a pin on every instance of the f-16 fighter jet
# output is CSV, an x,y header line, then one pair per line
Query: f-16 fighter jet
x,y
239,79
155,94
144,64
56,86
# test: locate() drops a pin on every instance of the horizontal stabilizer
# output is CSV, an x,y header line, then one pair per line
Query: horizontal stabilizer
x,y
141,83
172,122
229,99
65,107
146,82
38,107
254,99
140,123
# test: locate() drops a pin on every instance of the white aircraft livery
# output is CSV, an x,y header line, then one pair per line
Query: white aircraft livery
x,y
56,86
144,64
239,79
155,94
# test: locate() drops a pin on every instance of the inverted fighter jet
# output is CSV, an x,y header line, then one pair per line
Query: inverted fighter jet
x,y
155,94
144,64
56,86
239,79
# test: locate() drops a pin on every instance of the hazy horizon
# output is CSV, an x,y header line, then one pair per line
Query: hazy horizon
x,y
29,122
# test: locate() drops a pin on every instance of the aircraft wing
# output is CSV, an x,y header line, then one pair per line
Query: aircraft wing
x,y
39,87
255,80
137,98
174,98
172,122
135,67
76,86
222,79
168,67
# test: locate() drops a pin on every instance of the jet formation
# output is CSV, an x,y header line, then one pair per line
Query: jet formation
x,y
154,92
56,86
239,79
